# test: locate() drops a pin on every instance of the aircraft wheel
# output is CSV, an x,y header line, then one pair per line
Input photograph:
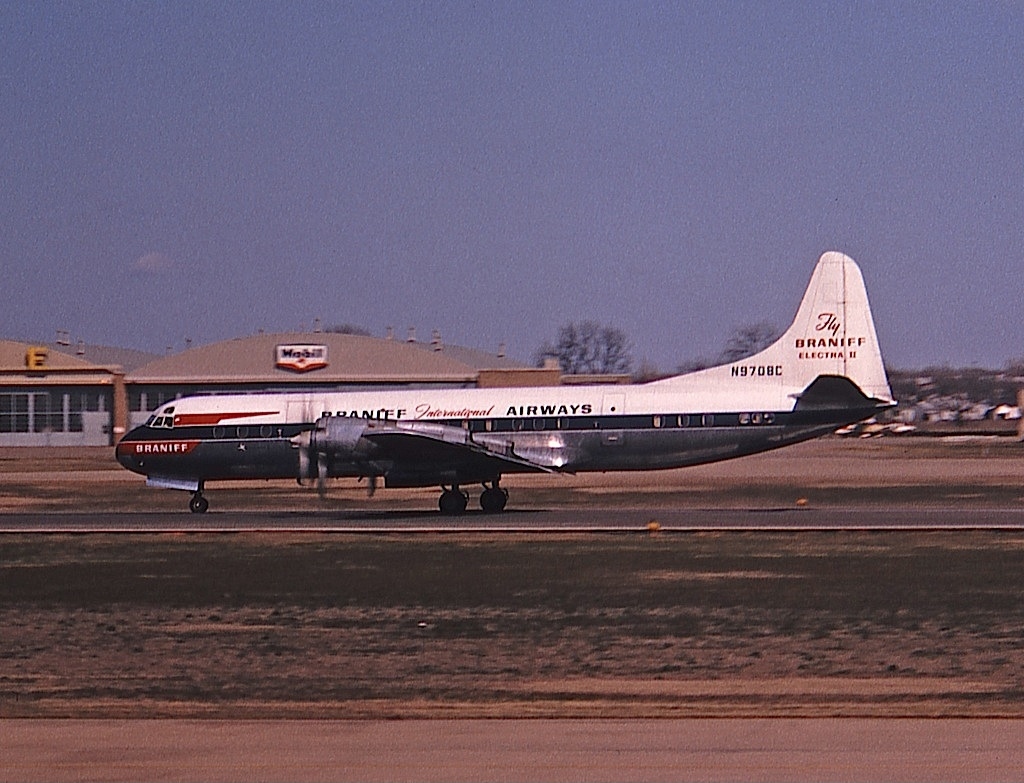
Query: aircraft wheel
x,y
198,504
453,501
493,500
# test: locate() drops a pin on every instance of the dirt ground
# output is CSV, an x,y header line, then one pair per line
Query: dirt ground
x,y
449,625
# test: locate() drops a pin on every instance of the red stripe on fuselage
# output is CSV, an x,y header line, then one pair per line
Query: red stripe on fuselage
x,y
201,419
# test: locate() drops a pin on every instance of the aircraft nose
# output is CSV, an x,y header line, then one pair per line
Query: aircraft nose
x,y
124,451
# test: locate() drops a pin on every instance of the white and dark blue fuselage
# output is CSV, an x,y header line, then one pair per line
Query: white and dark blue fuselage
x,y
824,373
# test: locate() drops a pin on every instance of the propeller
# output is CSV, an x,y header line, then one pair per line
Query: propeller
x,y
312,463
332,440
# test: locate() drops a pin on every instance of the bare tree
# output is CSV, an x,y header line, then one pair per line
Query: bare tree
x,y
748,340
1015,367
588,348
694,365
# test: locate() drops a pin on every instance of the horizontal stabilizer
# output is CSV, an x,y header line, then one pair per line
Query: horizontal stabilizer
x,y
835,392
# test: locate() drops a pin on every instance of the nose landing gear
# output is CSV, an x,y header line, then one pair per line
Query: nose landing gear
x,y
198,504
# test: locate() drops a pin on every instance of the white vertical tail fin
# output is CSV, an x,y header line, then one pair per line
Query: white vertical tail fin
x,y
833,334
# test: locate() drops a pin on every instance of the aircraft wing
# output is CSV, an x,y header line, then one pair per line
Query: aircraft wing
x,y
425,442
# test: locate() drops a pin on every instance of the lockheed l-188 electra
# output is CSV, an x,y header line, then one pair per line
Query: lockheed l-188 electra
x,y
824,373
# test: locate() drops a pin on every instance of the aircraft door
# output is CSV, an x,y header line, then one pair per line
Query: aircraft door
x,y
613,404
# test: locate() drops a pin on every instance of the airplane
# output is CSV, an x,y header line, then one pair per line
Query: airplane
x,y
824,373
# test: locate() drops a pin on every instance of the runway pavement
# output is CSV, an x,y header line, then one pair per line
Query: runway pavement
x,y
556,520
513,750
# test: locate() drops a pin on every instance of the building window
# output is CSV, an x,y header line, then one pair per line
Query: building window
x,y
14,412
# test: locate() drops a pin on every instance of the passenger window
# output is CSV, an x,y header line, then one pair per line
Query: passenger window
x,y
744,418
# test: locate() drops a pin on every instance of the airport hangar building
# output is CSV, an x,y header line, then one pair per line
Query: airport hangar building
x,y
58,394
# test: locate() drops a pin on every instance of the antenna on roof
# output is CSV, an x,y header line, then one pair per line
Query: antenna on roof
x,y
316,326
80,349
412,335
435,340
501,350
63,337
389,334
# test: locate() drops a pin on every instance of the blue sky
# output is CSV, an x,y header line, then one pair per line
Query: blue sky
x,y
202,171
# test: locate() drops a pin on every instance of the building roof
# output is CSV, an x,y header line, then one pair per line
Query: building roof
x,y
350,359
472,357
13,358
106,355
50,366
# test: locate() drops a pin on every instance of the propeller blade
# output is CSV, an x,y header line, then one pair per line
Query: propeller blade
x,y
301,442
321,473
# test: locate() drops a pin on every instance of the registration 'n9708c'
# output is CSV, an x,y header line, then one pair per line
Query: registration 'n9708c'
x,y
756,370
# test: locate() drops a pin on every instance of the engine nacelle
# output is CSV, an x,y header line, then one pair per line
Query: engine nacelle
x,y
338,436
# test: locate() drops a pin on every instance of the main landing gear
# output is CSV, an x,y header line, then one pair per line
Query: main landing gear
x,y
198,504
453,501
493,498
